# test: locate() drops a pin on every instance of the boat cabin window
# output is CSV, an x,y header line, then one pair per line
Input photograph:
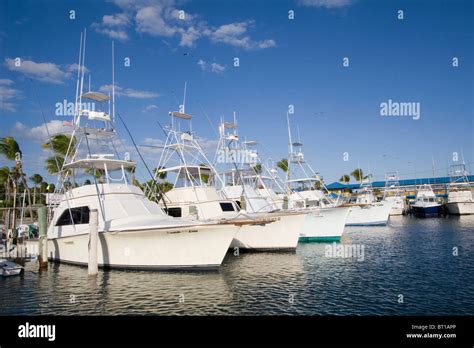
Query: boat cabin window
x,y
227,206
174,212
80,215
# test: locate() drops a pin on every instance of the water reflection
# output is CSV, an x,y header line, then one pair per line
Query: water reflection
x,y
410,257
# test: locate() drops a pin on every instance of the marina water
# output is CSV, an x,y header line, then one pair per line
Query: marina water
x,y
409,267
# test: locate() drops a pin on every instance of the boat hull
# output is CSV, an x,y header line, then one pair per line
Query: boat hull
x,y
196,247
426,211
324,225
398,205
369,215
460,208
9,268
281,234
396,211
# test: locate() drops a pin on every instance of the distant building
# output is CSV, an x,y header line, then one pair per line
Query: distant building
x,y
409,186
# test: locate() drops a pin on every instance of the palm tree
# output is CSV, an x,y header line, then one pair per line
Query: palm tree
x,y
257,168
161,175
59,143
37,180
10,149
50,188
5,181
358,174
54,164
283,165
345,178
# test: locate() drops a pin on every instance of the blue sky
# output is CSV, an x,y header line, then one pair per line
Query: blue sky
x,y
282,62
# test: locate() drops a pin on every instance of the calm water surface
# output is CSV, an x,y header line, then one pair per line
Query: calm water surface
x,y
409,257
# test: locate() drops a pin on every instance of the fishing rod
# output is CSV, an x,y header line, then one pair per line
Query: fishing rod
x,y
162,194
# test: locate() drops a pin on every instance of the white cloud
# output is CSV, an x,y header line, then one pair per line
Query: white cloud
x,y
129,92
120,35
325,3
212,67
116,20
44,72
189,37
8,94
39,134
151,147
235,34
73,68
150,20
150,108
114,26
160,18
209,146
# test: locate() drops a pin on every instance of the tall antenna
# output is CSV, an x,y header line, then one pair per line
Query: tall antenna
x,y
235,123
113,84
82,68
433,166
290,147
77,82
89,82
184,98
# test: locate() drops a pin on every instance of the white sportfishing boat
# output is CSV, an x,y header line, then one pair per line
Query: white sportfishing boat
x,y
426,203
323,222
195,197
393,194
306,191
134,232
460,199
365,209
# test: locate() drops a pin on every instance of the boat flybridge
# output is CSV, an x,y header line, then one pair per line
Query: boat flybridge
x,y
460,199
426,203
306,192
134,232
393,193
365,209
194,195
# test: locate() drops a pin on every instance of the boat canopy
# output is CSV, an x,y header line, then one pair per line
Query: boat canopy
x,y
180,115
192,170
96,115
229,125
100,162
303,180
96,96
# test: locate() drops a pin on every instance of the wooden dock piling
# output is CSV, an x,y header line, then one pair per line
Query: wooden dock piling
x,y
93,241
43,240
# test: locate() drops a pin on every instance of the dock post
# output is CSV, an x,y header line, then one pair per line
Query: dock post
x,y
93,241
43,240
285,202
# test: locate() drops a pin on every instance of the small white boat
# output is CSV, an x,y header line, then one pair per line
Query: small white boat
x,y
460,200
393,194
10,268
426,203
366,210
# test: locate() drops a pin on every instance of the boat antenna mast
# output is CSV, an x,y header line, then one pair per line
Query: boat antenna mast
x,y
113,85
290,154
